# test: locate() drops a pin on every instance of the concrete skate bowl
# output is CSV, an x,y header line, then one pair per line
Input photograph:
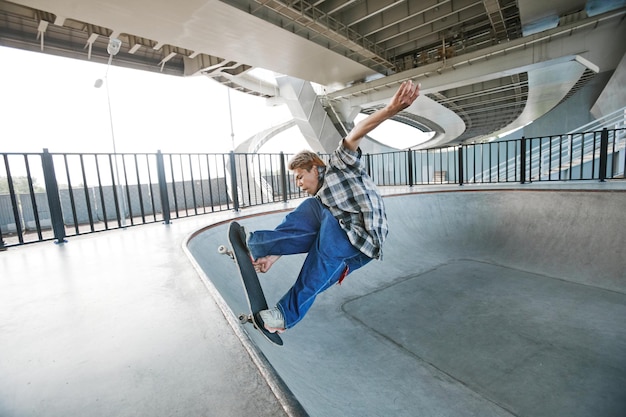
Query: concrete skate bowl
x,y
487,303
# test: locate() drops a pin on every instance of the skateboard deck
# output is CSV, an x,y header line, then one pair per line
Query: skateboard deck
x,y
249,279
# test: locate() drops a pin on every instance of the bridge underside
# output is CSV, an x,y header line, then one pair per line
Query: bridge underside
x,y
486,67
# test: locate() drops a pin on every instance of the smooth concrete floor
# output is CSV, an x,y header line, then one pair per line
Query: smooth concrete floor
x,y
119,323
491,301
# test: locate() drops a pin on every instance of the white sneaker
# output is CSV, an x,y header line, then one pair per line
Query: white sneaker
x,y
273,320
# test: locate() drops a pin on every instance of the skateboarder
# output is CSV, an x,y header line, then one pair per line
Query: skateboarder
x,y
341,228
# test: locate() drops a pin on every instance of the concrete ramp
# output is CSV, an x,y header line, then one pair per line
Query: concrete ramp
x,y
487,303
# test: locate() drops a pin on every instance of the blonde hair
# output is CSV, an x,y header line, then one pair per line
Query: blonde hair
x,y
305,160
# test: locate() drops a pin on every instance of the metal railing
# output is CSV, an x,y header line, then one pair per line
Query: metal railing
x,y
598,155
87,193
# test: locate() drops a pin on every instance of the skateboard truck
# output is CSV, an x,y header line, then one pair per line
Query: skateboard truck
x,y
245,318
223,250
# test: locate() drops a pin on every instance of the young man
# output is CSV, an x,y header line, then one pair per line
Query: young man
x,y
341,228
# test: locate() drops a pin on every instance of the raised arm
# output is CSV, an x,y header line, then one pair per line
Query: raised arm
x,y
403,98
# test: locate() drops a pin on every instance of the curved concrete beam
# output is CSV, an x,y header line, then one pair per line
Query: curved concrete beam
x,y
546,88
452,126
256,142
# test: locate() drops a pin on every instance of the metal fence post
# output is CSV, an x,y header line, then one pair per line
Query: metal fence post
x,y
460,164
523,160
604,148
16,212
165,201
283,176
233,181
52,193
409,153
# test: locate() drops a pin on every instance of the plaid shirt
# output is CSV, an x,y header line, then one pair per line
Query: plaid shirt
x,y
352,197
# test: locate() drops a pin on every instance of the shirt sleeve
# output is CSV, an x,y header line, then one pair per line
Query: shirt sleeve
x,y
343,157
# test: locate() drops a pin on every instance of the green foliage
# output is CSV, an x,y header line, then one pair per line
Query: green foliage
x,y
20,185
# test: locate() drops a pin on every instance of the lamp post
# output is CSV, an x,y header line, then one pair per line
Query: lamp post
x,y
230,113
113,48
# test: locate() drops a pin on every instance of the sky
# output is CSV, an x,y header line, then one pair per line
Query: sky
x,y
52,102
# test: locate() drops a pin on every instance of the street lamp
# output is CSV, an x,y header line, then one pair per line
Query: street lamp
x,y
113,48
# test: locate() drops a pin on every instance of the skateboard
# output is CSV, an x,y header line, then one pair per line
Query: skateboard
x,y
250,280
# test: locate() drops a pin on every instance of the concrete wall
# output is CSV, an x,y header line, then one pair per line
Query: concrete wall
x,y
573,235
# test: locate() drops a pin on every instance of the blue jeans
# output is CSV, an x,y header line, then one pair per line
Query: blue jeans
x,y
312,229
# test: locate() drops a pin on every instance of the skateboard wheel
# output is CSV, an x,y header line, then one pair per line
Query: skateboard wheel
x,y
243,318
222,249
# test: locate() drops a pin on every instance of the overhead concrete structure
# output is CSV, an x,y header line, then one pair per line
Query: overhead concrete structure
x,y
486,67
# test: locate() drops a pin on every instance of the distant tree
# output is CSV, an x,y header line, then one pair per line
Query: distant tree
x,y
20,185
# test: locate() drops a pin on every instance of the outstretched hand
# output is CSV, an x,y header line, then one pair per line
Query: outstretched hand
x,y
404,96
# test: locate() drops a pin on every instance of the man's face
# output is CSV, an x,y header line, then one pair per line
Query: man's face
x,y
308,181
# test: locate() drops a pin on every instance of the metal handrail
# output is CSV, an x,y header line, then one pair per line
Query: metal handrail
x,y
53,196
